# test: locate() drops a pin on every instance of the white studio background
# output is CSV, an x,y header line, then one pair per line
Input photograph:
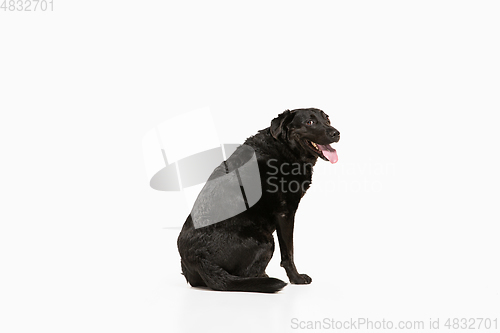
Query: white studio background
x,y
404,226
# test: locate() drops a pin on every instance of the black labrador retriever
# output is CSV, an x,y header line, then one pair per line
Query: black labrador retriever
x,y
228,248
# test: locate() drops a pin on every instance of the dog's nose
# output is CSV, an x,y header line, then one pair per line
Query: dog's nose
x,y
333,133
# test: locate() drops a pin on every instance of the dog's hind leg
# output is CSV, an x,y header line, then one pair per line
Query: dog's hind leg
x,y
261,256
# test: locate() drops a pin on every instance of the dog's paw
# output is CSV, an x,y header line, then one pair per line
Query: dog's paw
x,y
301,279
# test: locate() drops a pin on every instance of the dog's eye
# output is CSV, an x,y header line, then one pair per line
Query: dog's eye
x,y
309,122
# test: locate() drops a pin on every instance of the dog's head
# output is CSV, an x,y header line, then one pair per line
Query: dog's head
x,y
307,130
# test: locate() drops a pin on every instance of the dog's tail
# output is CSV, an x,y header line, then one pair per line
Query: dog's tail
x,y
218,278
255,284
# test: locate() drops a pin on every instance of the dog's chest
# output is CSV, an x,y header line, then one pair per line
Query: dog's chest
x,y
289,180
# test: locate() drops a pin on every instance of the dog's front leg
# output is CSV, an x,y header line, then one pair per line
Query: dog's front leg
x,y
285,238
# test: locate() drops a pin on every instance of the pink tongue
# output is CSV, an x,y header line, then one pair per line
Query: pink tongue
x,y
329,152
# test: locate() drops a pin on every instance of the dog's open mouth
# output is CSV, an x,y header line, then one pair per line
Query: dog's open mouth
x,y
326,152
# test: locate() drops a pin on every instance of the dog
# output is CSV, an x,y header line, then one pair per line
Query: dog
x,y
231,251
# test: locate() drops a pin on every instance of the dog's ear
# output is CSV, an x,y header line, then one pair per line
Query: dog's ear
x,y
280,123
324,114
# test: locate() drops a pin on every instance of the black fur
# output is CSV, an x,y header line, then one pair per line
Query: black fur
x,y
232,255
